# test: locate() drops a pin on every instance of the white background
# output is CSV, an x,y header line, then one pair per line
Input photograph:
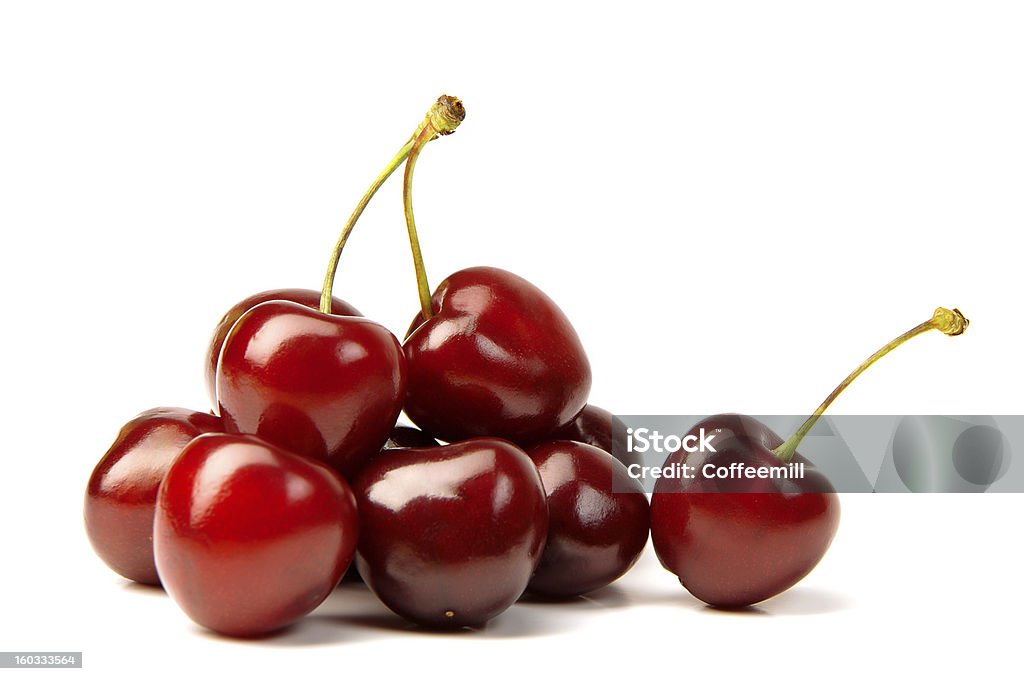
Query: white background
x,y
734,202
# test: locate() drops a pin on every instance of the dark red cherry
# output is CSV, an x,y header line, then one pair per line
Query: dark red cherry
x,y
302,296
121,494
450,535
498,358
321,385
598,519
602,429
736,542
249,537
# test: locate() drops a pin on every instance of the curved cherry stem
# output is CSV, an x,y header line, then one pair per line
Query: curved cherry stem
x,y
332,266
422,285
442,118
453,113
950,322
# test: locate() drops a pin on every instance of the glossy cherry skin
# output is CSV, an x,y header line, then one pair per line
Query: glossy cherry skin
x,y
449,536
497,359
602,429
598,519
249,537
121,495
302,296
733,543
324,386
402,437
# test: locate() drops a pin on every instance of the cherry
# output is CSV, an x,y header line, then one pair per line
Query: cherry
x,y
602,429
449,536
489,353
249,537
498,358
121,494
737,541
598,519
307,297
317,384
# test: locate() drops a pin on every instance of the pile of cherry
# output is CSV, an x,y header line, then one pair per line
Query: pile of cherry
x,y
250,516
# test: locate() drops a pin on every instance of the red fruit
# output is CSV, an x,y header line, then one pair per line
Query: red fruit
x,y
450,535
321,385
734,543
249,537
121,494
498,358
302,296
598,519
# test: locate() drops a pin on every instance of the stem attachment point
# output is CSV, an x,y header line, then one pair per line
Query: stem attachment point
x,y
950,322
446,114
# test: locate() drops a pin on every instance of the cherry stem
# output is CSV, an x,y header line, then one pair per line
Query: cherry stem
x,y
422,284
442,118
453,114
332,267
950,322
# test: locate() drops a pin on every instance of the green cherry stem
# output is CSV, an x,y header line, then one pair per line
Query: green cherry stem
x,y
950,322
442,118
442,126
422,285
332,267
